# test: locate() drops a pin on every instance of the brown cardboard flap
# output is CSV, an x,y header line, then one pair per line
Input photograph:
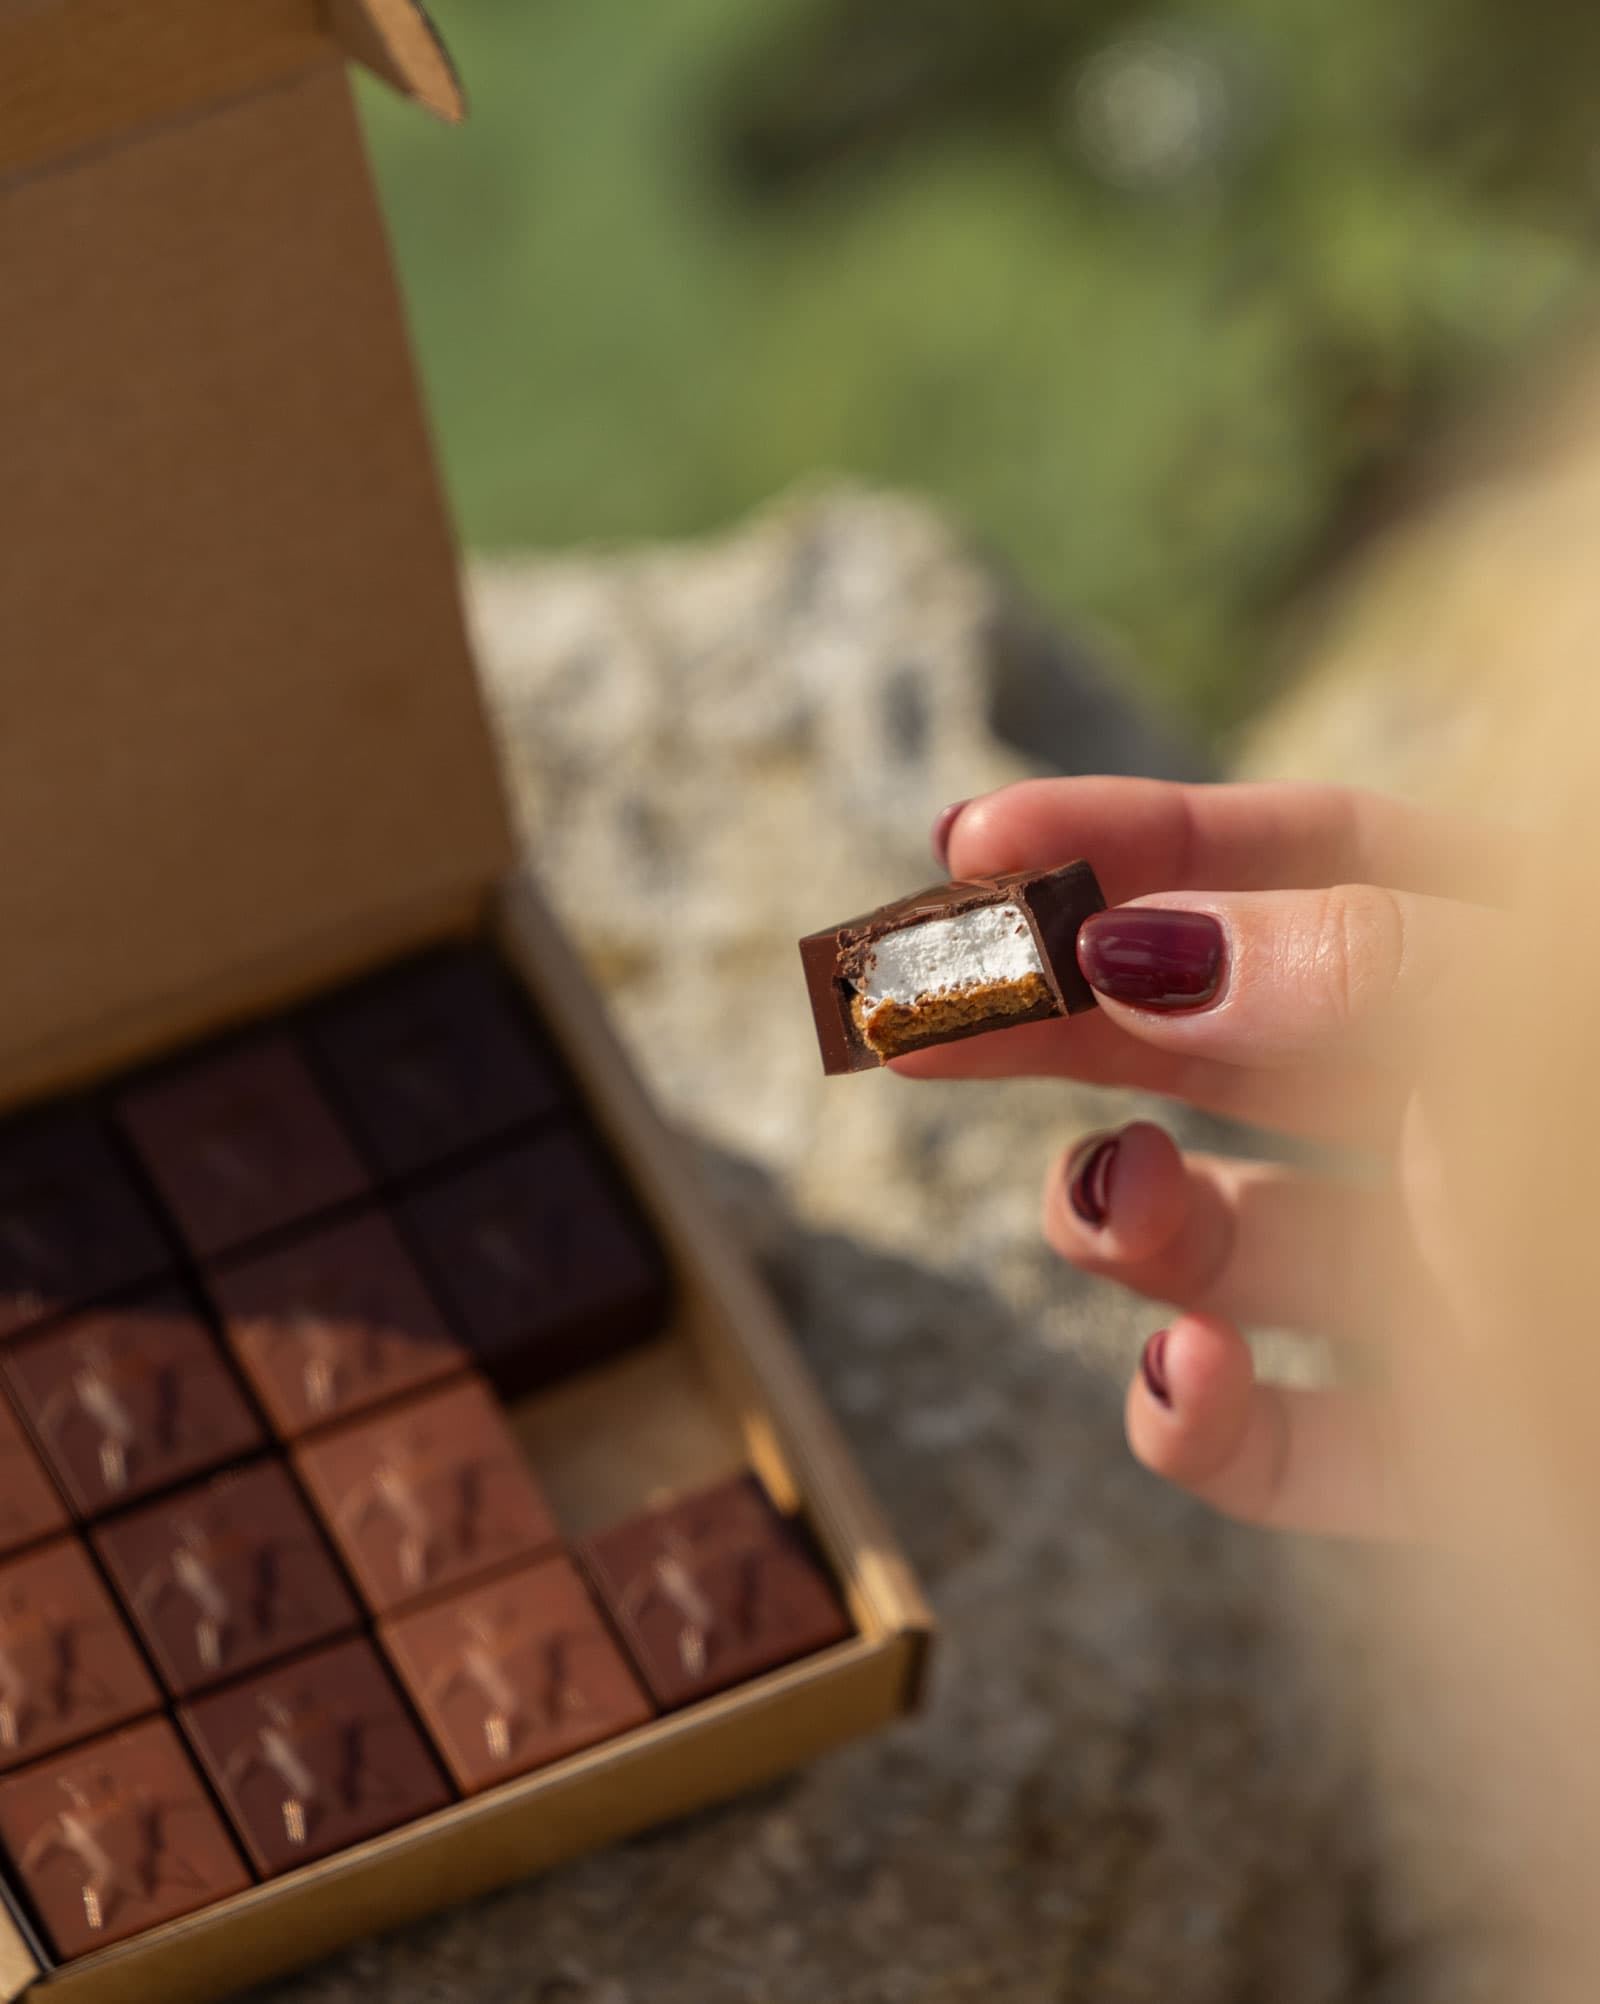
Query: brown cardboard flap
x,y
396,41
75,73
237,711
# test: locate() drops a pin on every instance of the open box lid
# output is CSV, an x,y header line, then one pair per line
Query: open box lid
x,y
240,736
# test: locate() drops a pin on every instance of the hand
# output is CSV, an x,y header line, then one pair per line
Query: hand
x,y
1275,954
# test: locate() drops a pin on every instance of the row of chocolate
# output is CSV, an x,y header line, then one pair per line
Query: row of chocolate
x,y
391,1205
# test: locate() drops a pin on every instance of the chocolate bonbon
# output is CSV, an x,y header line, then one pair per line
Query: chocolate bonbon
x,y
314,1756
72,1225
30,1504
953,961
239,1143
431,1059
513,1675
226,1576
712,1589
115,1837
541,1260
68,1666
333,1322
129,1399
426,1495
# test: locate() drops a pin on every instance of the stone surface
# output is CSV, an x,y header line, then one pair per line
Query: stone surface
x,y
1134,1783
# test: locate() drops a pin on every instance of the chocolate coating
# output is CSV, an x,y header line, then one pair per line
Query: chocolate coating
x,y
115,1837
433,1058
713,1589
313,1757
541,1258
225,1577
68,1666
30,1505
514,1675
125,1400
1054,902
240,1143
72,1225
332,1323
426,1496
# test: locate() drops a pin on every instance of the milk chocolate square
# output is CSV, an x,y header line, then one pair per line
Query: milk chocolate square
x,y
72,1225
426,1496
433,1058
542,1259
314,1756
225,1577
332,1323
68,1666
30,1505
241,1143
115,1837
514,1675
126,1400
713,1589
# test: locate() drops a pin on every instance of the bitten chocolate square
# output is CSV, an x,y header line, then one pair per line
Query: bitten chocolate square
x,y
315,1756
240,1143
713,1589
426,1496
115,1837
225,1577
541,1258
72,1225
433,1058
30,1505
125,1400
333,1323
516,1674
68,1666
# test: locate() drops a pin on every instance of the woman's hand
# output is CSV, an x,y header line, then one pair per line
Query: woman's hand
x,y
1276,954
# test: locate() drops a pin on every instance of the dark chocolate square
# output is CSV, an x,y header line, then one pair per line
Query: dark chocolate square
x,y
30,1505
542,1260
225,1577
126,1400
241,1143
426,1496
115,1837
332,1323
72,1225
433,1058
514,1675
68,1666
713,1589
315,1756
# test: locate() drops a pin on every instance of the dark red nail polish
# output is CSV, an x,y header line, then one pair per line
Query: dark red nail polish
x,y
1153,1367
1154,959
943,822
1089,1168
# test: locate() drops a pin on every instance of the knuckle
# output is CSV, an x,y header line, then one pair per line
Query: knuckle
x,y
1358,939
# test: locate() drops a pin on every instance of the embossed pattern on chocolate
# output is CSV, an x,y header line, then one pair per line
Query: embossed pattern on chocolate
x,y
115,1837
514,1675
314,1756
714,1588
68,1666
227,1576
126,1400
427,1496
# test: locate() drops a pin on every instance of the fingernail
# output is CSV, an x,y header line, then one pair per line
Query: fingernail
x,y
943,822
1153,1367
1089,1168
1154,959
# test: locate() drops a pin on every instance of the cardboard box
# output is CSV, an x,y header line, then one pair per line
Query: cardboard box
x,y
242,757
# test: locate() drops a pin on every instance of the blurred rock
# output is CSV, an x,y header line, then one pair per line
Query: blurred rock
x,y
1135,1780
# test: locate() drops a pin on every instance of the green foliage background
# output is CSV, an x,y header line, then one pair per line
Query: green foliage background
x,y
686,254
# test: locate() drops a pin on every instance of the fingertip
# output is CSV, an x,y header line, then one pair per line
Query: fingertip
x,y
1117,1197
1189,1401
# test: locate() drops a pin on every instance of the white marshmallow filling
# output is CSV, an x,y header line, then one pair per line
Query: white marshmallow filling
x,y
991,946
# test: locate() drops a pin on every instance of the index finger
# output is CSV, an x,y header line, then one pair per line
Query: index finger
x,y
1145,835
